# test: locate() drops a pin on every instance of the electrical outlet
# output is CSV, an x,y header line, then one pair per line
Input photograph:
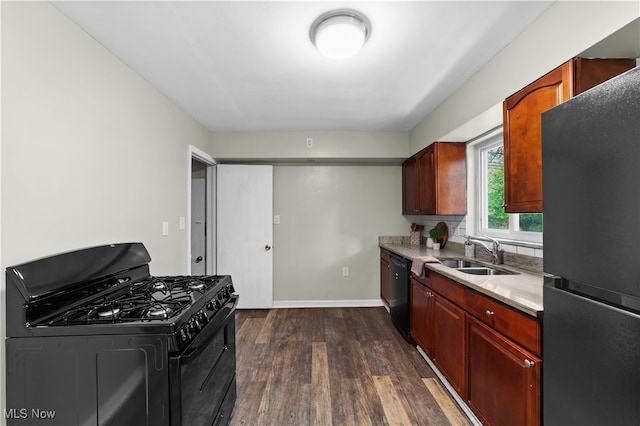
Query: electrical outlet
x,y
345,271
276,219
182,222
309,142
165,229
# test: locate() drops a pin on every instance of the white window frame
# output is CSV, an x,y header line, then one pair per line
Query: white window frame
x,y
488,141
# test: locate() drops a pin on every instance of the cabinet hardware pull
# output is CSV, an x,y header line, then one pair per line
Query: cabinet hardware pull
x,y
528,363
488,313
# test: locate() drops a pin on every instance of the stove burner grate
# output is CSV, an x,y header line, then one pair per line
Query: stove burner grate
x,y
158,311
153,299
128,308
108,311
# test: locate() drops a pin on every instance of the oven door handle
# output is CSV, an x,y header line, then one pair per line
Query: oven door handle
x,y
211,329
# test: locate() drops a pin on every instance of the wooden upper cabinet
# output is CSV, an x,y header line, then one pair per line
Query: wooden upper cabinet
x,y
434,181
410,186
523,126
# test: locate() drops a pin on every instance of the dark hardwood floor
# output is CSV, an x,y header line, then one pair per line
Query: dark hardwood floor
x,y
333,366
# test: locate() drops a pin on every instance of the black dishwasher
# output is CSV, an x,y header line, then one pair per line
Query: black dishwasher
x,y
400,270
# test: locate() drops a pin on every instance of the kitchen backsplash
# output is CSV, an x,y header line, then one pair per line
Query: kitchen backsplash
x,y
521,261
457,228
456,225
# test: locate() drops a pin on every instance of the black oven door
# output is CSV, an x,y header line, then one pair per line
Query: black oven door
x,y
203,385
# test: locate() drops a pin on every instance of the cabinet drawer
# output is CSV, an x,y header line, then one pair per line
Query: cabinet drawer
x,y
384,254
518,326
447,288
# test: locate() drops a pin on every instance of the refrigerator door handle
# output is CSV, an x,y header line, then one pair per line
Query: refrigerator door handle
x,y
554,281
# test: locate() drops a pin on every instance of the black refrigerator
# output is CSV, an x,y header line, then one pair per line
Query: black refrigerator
x,y
591,294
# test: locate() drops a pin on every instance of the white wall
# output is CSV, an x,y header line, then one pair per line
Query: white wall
x,y
330,217
331,209
562,32
91,153
325,145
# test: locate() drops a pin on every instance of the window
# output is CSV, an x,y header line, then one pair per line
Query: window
x,y
492,220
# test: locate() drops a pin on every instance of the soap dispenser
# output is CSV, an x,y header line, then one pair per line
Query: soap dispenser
x,y
469,248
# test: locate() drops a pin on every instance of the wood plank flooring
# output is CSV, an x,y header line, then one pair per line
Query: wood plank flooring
x,y
333,366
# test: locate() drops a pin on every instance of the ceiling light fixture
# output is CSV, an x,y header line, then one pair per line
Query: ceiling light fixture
x,y
340,33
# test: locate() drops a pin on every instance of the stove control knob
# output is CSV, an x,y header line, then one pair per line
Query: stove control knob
x,y
199,322
231,288
183,335
214,305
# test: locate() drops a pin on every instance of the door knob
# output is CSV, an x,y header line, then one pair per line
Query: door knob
x,y
267,247
198,259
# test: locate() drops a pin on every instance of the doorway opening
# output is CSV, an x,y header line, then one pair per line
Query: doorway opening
x,y
202,229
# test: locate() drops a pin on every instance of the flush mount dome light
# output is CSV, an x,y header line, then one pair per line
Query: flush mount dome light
x,y
340,33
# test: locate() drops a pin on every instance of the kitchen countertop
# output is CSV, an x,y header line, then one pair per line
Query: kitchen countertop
x,y
521,291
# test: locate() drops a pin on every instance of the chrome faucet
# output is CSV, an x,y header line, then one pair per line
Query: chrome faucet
x,y
497,253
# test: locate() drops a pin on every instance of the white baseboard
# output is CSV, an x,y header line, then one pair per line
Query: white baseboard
x,y
363,303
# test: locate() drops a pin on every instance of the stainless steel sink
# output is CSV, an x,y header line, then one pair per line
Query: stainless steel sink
x,y
460,263
475,268
483,270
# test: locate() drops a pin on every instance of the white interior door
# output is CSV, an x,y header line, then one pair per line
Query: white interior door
x,y
245,231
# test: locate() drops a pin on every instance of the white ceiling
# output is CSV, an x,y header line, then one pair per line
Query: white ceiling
x,y
250,66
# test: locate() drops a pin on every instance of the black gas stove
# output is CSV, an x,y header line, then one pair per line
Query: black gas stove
x,y
129,347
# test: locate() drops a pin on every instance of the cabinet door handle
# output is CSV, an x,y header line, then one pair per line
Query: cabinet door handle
x,y
488,313
528,363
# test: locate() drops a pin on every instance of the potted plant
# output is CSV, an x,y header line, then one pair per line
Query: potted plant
x,y
435,234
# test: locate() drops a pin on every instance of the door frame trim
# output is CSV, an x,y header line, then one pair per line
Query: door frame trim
x,y
196,153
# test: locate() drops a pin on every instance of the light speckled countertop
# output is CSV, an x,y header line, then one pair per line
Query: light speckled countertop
x,y
521,291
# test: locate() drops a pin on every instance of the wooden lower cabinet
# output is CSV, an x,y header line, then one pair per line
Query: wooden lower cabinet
x,y
479,355
385,282
437,325
448,341
421,314
503,379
